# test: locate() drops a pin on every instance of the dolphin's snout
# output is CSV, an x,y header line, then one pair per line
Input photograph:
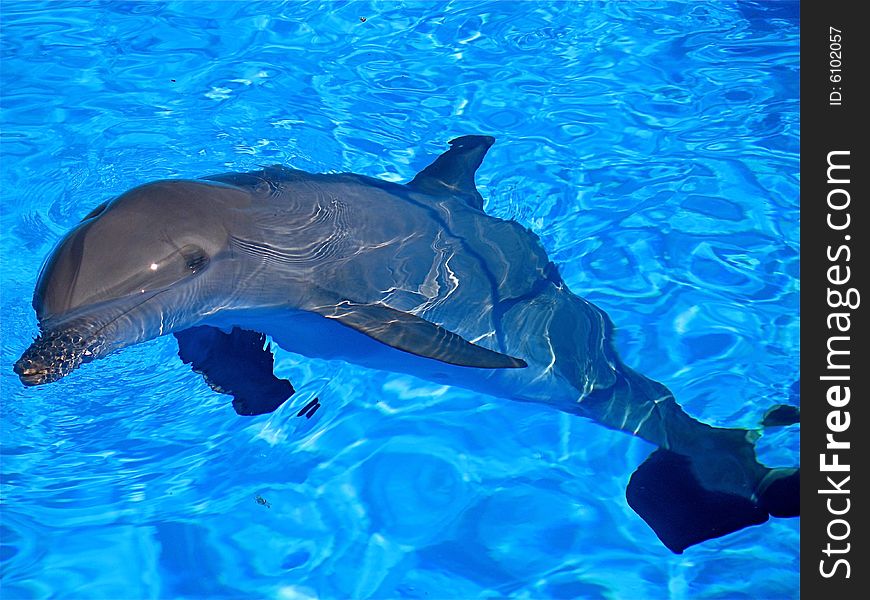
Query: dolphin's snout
x,y
55,355
32,373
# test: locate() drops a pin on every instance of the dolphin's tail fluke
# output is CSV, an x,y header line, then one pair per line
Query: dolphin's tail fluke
x,y
703,482
666,492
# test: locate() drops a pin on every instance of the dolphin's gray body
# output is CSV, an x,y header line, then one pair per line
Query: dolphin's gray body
x,y
413,278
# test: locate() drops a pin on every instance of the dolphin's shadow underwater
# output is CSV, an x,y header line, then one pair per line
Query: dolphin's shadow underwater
x,y
412,278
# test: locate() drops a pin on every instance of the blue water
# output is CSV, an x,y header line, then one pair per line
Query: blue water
x,y
652,146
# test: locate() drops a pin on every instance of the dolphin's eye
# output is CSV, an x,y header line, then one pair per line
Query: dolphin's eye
x,y
195,258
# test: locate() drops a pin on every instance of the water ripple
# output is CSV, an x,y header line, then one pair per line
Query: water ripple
x,y
652,146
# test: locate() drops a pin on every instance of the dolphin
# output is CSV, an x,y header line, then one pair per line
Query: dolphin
x,y
413,278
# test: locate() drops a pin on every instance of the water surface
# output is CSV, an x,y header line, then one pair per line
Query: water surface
x,y
652,146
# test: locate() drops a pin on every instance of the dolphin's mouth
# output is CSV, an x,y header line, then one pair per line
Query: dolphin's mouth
x,y
55,354
68,341
30,374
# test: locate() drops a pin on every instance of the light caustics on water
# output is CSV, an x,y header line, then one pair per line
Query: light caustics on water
x,y
654,151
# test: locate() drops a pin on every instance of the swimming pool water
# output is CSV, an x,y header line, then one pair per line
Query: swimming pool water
x,y
653,146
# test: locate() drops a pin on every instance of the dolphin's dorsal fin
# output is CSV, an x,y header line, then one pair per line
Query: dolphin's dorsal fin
x,y
452,173
412,334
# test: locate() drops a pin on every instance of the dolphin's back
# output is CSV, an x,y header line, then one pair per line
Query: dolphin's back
x,y
363,240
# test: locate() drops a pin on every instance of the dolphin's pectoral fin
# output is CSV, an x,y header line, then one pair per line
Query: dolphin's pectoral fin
x,y
668,496
236,363
412,334
452,173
